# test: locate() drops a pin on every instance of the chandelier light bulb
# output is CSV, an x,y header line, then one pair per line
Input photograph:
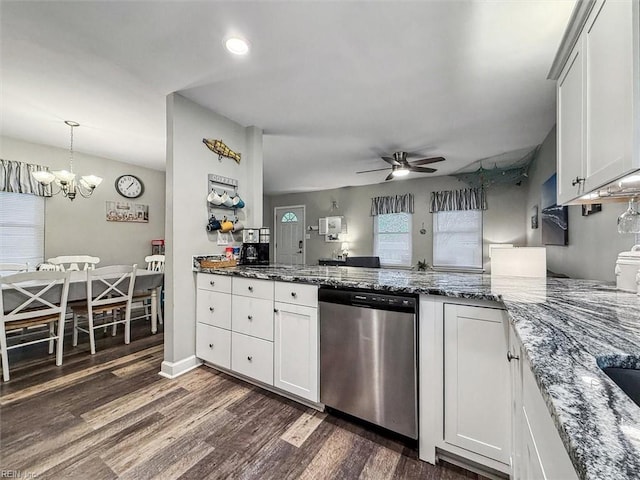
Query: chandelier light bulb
x,y
237,45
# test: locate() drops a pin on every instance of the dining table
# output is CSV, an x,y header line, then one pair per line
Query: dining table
x,y
145,280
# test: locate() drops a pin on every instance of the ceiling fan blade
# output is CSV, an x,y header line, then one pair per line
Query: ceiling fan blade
x,y
376,170
389,177
390,161
422,169
425,161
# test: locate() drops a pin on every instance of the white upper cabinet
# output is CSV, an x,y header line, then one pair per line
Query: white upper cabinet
x,y
598,99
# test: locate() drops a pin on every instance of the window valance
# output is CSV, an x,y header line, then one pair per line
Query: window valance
x,y
16,177
395,204
464,199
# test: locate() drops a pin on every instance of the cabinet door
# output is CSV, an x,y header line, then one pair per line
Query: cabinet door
x,y
213,308
609,58
213,345
516,407
296,350
476,380
570,127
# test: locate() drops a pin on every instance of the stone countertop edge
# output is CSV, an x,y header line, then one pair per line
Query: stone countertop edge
x,y
569,329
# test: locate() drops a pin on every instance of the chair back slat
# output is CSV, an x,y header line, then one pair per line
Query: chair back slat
x,y
155,263
110,285
73,262
36,294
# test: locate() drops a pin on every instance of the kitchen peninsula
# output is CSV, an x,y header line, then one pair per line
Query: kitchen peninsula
x,y
567,331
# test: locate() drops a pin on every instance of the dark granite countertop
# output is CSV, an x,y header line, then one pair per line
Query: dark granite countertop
x,y
568,328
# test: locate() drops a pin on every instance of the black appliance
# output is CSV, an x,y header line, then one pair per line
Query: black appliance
x,y
255,246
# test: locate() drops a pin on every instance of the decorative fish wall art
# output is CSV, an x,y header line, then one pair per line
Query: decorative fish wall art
x,y
217,146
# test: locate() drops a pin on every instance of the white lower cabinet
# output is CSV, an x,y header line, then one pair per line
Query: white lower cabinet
x,y
476,380
538,452
213,345
252,357
296,350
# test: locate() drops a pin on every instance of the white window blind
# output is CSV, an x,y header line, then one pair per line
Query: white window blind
x,y
457,239
21,228
392,239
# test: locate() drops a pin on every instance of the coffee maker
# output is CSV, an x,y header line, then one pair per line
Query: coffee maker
x,y
255,246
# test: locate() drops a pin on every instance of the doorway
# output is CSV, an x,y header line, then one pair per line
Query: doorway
x,y
290,244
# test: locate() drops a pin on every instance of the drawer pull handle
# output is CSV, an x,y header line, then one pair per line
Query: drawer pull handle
x,y
294,294
250,317
211,345
250,288
250,358
212,283
211,309
577,181
511,356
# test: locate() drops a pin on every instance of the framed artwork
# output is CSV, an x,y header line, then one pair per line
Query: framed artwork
x,y
534,217
555,218
591,209
127,212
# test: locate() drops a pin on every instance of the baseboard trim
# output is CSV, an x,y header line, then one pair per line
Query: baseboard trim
x,y
175,369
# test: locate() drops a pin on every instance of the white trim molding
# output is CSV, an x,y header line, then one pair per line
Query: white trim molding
x,y
175,369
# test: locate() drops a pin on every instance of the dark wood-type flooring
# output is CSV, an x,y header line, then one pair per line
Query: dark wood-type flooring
x,y
112,416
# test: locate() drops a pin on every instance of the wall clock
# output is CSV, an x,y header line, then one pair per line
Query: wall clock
x,y
129,186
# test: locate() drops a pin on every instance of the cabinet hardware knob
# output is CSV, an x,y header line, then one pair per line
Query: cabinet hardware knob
x,y
211,309
212,283
577,181
294,294
511,356
211,345
275,310
250,317
250,288
249,358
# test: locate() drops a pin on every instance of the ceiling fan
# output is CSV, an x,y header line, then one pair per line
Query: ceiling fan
x,y
400,166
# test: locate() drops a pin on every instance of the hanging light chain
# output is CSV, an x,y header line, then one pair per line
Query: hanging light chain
x,y
71,151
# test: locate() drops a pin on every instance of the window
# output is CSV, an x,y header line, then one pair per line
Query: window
x,y
457,239
21,228
392,239
289,217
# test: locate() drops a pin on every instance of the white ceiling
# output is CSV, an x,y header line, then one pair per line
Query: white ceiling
x,y
332,84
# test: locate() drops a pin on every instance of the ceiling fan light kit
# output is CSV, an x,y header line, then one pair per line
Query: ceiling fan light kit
x,y
400,165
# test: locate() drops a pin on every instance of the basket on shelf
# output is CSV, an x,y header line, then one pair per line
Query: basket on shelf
x,y
218,263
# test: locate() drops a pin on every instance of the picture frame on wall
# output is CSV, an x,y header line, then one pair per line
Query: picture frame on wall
x,y
127,212
555,218
534,217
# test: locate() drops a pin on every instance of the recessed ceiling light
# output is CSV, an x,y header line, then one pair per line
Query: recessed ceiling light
x,y
237,45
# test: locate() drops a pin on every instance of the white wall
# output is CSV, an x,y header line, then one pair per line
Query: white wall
x,y
594,242
502,221
189,162
80,227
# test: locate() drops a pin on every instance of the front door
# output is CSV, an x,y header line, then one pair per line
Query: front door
x,y
290,240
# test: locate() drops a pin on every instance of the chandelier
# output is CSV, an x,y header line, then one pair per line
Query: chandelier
x,y
66,180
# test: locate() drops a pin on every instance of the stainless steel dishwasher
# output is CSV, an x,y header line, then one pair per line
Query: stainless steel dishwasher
x,y
368,357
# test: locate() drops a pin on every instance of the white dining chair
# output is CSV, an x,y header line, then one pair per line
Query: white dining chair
x,y
144,299
32,299
74,262
13,267
109,290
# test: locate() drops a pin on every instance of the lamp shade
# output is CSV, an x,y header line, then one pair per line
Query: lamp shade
x,y
64,176
92,181
43,176
344,246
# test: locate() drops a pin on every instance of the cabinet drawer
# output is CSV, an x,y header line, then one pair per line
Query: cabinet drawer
x,y
252,357
214,308
296,293
252,316
216,283
250,287
213,345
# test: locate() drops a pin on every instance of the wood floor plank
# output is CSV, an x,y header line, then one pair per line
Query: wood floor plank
x,y
331,455
87,468
68,379
150,364
303,427
381,465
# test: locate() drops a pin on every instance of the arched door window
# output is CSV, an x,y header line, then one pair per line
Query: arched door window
x,y
289,217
